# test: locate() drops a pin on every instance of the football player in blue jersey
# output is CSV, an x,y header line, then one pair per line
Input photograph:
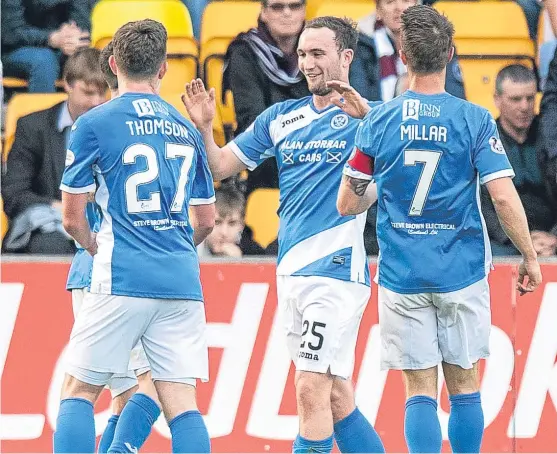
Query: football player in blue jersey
x,y
138,378
148,165
428,153
323,278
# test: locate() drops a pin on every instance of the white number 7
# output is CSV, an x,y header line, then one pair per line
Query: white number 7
x,y
430,159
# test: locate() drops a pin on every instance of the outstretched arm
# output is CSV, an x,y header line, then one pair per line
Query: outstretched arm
x,y
201,108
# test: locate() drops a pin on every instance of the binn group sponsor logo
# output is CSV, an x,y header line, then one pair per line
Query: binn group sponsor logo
x,y
414,109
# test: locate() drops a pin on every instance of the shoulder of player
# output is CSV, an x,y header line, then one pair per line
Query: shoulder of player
x,y
290,105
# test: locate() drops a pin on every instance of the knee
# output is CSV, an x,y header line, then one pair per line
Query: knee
x,y
147,387
342,399
313,391
45,59
77,389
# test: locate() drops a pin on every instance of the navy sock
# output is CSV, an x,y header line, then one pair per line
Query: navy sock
x,y
189,433
466,422
75,427
355,434
135,423
108,435
421,425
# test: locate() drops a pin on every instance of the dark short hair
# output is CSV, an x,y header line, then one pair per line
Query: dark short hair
x,y
427,38
140,48
516,73
345,30
109,76
84,65
229,199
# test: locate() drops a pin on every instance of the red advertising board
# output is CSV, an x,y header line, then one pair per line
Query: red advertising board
x,y
249,403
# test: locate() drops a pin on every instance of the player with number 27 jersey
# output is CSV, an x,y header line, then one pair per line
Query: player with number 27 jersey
x,y
151,161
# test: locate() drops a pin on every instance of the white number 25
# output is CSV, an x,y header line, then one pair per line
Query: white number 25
x,y
153,203
430,160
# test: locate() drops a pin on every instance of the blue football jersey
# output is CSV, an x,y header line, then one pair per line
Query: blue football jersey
x,y
431,153
79,275
311,148
148,165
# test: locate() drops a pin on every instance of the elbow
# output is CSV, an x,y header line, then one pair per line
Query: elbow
x,y
500,201
71,226
344,208
205,227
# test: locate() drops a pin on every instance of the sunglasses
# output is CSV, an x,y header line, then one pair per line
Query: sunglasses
x,y
280,7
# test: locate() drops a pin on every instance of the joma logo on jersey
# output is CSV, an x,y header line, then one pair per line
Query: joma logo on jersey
x,y
306,355
292,120
413,109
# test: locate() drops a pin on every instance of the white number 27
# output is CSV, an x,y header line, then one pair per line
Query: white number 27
x,y
430,160
153,203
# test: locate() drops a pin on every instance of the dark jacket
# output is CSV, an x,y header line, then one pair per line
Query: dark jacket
x,y
253,93
35,163
548,129
540,211
365,74
30,22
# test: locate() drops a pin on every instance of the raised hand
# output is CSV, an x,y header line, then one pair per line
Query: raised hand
x,y
200,104
348,99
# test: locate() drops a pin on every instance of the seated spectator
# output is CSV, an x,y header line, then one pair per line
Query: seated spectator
x,y
377,65
261,69
548,130
30,188
519,127
37,35
230,236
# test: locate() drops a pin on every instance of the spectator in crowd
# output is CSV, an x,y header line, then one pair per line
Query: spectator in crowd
x,y
261,69
37,35
377,65
518,126
230,236
30,188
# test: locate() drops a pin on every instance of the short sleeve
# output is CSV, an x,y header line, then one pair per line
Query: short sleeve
x,y
490,158
203,190
255,144
361,162
81,155
364,135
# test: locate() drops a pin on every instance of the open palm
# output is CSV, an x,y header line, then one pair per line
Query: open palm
x,y
200,104
348,99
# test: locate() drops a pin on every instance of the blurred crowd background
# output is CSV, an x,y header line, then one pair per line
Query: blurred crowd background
x,y
505,61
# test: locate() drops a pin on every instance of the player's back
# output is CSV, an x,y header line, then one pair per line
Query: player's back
x,y
150,160
431,154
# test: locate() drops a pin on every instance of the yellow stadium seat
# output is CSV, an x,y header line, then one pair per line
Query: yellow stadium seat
x,y
182,48
14,82
23,104
222,22
3,221
489,35
261,215
355,10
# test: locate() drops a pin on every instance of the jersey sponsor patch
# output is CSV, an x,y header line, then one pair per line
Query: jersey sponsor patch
x,y
70,157
496,145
